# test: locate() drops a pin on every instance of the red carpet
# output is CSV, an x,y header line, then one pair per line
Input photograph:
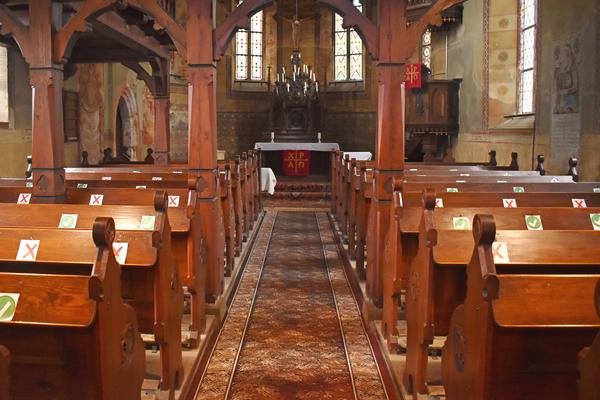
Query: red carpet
x,y
294,330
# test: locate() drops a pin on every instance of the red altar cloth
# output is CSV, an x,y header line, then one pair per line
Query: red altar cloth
x,y
296,162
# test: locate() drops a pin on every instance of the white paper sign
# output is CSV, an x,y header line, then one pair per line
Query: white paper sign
x,y
8,305
173,201
534,223
595,221
107,178
579,203
68,221
461,223
24,198
96,199
28,250
147,222
157,178
120,251
509,203
500,251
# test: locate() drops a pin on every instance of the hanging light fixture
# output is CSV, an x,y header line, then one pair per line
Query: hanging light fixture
x,y
301,86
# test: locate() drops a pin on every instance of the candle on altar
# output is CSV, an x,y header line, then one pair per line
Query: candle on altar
x,y
272,137
319,136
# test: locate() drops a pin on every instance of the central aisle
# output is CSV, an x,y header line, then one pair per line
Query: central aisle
x,y
293,330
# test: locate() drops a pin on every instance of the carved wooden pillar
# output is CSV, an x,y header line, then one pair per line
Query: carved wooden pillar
x,y
47,134
161,129
202,136
390,133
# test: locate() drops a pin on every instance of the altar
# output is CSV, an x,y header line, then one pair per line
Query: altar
x,y
296,158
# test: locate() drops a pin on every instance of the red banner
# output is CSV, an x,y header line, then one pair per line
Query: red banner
x,y
412,76
296,162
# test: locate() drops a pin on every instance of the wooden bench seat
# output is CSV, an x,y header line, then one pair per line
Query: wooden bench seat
x,y
150,278
589,364
524,319
435,283
71,336
4,370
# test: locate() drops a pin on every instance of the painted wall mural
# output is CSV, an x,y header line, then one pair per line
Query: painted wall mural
x,y
91,109
566,78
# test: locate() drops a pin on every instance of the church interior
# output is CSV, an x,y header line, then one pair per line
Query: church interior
x,y
299,199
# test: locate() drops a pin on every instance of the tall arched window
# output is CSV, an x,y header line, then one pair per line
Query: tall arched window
x,y
249,50
527,39
348,50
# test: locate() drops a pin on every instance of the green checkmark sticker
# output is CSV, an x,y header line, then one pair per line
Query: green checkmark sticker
x,y
68,221
451,190
534,222
518,189
8,305
595,221
461,223
147,222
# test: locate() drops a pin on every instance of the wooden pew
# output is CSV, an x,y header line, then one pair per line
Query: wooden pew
x,y
71,336
149,277
4,372
436,281
589,364
527,313
188,244
374,282
236,190
227,204
362,209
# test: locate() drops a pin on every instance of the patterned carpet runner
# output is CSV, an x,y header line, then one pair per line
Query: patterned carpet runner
x,y
294,329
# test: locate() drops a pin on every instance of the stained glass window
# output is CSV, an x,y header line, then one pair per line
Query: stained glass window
x,y
426,49
249,50
348,50
528,19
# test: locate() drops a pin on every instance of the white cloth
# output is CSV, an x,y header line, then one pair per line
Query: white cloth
x,y
267,180
267,146
359,155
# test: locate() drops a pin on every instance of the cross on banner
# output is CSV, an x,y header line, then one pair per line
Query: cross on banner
x,y
412,76
296,162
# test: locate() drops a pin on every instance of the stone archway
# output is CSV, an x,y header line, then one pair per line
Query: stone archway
x,y
126,126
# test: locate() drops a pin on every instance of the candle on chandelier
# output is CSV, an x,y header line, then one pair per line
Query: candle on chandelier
x,y
317,86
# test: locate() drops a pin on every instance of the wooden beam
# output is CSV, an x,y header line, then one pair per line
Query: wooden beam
x,y
20,33
111,26
66,37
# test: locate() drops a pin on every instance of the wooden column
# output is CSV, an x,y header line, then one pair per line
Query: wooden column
x,y
47,134
202,132
161,129
390,133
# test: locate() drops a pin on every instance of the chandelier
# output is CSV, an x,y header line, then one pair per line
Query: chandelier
x,y
301,86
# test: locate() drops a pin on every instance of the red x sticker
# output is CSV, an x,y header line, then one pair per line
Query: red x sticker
x,y
28,250
500,252
509,203
96,199
439,203
120,251
173,201
24,198
579,203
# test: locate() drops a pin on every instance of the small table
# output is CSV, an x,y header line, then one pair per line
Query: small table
x,y
320,161
279,146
